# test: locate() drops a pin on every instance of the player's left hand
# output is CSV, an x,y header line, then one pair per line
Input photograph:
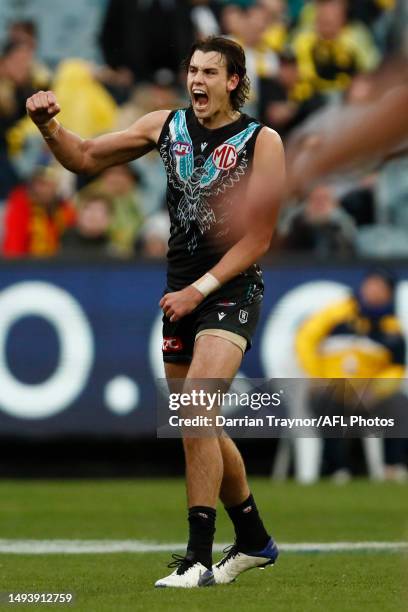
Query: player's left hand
x,y
178,304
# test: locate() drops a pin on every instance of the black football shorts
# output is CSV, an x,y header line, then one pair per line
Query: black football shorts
x,y
235,307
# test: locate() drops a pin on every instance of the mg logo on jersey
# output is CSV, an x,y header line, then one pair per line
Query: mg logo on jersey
x,y
225,157
172,344
182,148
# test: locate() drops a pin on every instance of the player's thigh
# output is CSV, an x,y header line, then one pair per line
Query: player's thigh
x,y
214,357
176,370
178,345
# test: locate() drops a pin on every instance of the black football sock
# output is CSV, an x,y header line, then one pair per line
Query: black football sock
x,y
201,537
250,532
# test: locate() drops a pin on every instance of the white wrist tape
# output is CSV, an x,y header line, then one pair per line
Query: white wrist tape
x,y
50,130
207,284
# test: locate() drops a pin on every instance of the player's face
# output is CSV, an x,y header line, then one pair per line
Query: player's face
x,y
209,85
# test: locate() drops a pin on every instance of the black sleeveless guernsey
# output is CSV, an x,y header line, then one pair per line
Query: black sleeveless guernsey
x,y
206,170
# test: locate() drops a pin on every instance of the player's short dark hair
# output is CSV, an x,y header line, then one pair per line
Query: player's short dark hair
x,y
236,64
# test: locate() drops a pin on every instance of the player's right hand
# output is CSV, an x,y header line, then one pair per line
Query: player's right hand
x,y
178,304
42,107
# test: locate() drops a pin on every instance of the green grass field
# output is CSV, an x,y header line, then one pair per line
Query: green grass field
x,y
153,511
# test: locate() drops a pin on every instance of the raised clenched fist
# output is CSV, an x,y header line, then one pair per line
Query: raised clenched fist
x,y
42,107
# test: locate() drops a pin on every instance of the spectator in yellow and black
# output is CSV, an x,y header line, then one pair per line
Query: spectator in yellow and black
x,y
367,314
262,59
333,50
262,62
360,337
286,101
275,36
19,78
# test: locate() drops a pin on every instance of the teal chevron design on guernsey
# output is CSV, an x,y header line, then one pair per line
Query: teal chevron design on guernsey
x,y
238,141
179,133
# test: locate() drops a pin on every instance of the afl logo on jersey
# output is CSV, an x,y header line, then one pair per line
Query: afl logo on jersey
x,y
182,148
225,157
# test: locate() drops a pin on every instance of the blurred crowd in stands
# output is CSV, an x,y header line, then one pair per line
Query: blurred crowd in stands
x,y
308,62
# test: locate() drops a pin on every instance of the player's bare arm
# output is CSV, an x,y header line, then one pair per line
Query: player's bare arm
x,y
262,202
90,156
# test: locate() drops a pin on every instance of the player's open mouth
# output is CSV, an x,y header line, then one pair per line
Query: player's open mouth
x,y
200,98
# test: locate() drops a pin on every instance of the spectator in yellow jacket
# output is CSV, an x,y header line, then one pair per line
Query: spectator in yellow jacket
x,y
359,337
333,51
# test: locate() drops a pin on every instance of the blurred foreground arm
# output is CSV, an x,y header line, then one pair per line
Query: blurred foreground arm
x,y
373,129
261,207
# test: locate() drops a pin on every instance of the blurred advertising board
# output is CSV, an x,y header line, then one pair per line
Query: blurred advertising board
x,y
80,344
